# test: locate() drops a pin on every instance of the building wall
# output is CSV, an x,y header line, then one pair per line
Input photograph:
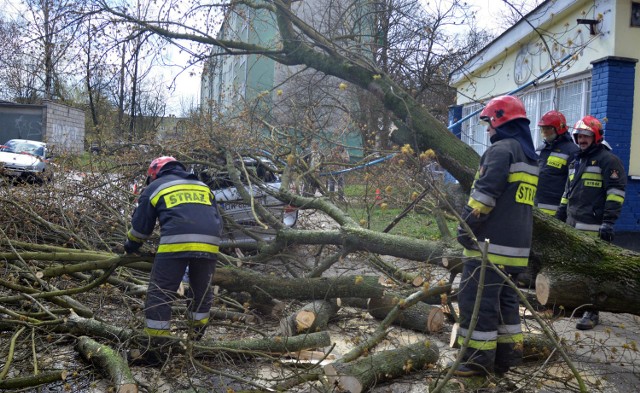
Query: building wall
x,y
626,39
520,55
64,128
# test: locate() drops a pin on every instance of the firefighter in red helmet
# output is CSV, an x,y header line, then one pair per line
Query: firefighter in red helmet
x,y
500,208
190,228
557,152
594,192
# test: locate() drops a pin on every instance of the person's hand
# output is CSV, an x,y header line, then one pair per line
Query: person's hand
x,y
561,213
130,247
465,240
606,232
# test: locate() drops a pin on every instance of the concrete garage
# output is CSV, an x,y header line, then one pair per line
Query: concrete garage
x,y
60,126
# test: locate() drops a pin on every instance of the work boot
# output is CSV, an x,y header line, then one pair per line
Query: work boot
x,y
152,351
589,320
499,369
151,357
464,370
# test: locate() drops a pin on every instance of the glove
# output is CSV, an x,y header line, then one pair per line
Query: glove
x,y
465,240
561,213
606,232
131,247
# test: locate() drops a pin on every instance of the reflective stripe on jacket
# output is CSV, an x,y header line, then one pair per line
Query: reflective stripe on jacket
x,y
595,189
190,224
554,162
504,191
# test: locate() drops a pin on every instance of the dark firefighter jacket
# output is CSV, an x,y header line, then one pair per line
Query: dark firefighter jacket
x,y
503,194
595,189
554,162
190,224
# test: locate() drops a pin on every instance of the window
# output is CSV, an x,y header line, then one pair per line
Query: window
x,y
474,133
572,98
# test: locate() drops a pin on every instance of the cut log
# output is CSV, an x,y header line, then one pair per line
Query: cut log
x,y
363,373
237,280
585,270
19,383
312,317
109,362
420,317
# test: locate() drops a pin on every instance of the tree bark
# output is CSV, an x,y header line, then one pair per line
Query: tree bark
x,y
362,374
584,270
109,362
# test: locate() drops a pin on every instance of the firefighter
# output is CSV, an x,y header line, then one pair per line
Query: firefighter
x,y
557,152
190,229
500,208
594,192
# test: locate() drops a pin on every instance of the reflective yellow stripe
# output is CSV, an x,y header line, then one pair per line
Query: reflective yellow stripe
x,y
498,259
556,162
157,332
615,198
481,207
591,176
510,338
179,187
481,345
564,201
199,322
181,247
133,238
548,211
523,177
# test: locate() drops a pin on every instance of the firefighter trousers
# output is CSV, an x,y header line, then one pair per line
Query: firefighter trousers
x,y
166,275
496,341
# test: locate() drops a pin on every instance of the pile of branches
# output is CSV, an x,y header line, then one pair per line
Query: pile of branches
x,y
71,302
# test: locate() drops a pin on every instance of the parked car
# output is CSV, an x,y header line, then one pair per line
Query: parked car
x,y
24,159
240,212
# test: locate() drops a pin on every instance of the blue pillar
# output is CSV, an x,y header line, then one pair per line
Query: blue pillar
x,y
455,114
612,90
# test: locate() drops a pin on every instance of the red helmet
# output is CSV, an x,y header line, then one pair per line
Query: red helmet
x,y
556,120
157,164
589,125
503,109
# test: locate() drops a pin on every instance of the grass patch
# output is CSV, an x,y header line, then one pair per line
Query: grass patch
x,y
415,225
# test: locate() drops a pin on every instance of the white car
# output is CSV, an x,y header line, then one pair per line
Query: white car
x,y
241,213
25,160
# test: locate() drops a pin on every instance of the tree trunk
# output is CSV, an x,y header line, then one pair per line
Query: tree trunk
x,y
110,362
420,317
584,270
362,374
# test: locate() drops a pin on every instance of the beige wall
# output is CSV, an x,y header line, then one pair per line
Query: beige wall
x,y
519,61
627,44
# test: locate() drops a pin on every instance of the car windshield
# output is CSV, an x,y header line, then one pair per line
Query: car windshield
x,y
24,147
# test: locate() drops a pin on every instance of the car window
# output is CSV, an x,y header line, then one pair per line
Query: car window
x,y
24,147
